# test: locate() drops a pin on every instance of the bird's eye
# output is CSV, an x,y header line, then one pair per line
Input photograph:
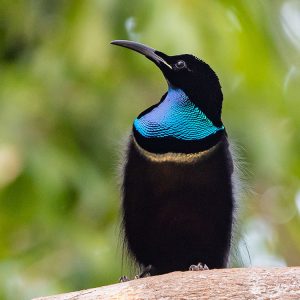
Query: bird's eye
x,y
180,64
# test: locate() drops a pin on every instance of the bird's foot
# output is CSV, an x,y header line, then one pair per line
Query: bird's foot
x,y
199,267
146,272
124,279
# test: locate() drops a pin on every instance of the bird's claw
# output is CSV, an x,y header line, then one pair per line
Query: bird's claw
x,y
124,279
199,267
142,275
146,272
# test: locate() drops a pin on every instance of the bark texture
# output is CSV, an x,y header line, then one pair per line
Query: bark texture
x,y
243,283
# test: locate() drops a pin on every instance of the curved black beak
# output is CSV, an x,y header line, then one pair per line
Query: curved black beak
x,y
149,52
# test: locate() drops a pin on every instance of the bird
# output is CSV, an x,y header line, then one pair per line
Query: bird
x,y
177,177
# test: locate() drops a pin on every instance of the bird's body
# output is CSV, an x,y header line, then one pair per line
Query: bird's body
x,y
177,194
178,208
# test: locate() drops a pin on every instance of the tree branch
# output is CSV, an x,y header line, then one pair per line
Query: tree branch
x,y
246,283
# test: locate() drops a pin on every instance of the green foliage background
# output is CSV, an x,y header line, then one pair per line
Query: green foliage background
x,y
68,98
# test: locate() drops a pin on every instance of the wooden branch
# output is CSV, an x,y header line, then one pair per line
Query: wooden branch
x,y
247,283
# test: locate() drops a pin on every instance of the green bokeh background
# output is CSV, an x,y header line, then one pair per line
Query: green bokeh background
x,y
68,99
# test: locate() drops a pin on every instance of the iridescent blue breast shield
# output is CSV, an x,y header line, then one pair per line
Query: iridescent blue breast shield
x,y
177,117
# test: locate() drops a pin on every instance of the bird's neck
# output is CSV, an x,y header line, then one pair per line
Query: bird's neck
x,y
174,124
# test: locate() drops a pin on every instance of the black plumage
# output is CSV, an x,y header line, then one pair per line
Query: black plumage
x,y
177,193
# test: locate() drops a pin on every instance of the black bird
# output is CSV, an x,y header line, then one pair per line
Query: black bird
x,y
177,191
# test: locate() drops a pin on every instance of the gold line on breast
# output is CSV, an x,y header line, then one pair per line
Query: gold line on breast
x,y
174,157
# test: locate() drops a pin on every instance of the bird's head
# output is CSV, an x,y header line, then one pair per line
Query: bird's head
x,y
187,72
190,113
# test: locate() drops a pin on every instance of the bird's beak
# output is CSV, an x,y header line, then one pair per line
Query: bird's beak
x,y
150,53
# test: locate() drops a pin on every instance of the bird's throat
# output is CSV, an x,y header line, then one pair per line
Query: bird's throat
x,y
175,117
